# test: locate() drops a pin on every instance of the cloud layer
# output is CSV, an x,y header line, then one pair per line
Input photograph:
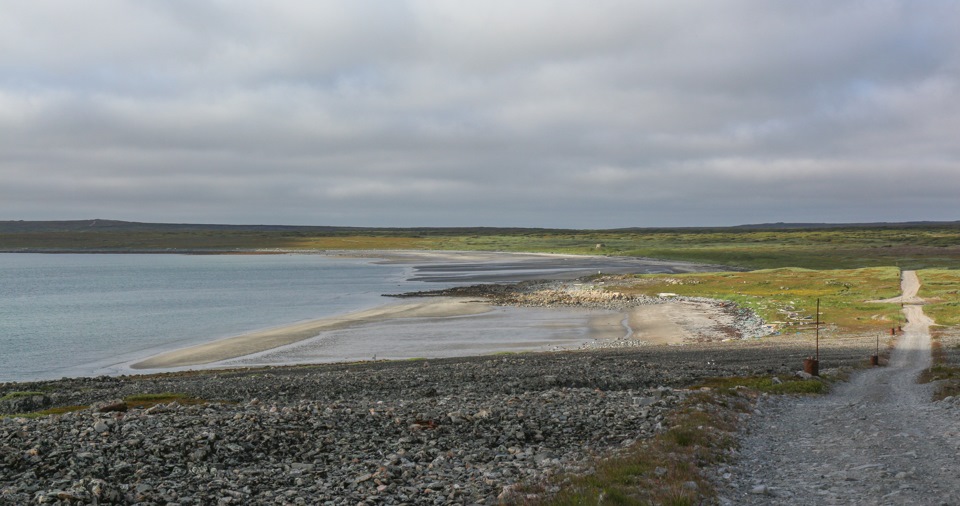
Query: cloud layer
x,y
407,113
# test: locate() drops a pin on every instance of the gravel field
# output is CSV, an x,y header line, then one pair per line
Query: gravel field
x,y
949,340
461,430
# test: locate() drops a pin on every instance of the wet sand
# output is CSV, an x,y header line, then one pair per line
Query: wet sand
x,y
668,323
256,342
485,266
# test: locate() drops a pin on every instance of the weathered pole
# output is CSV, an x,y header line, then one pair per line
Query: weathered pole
x,y
818,329
811,365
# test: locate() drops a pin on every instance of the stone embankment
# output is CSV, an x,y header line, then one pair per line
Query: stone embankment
x,y
464,430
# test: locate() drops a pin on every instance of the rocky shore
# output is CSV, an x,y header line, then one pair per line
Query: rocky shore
x,y
468,430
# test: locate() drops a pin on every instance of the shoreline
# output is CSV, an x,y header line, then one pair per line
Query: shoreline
x,y
263,340
424,266
619,322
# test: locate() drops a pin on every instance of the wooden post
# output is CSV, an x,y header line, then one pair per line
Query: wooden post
x,y
818,329
811,365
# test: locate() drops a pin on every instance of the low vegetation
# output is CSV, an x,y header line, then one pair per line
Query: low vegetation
x,y
767,384
909,246
143,401
669,468
787,297
16,395
139,401
945,367
941,290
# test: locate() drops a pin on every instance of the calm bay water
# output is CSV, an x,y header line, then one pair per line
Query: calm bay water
x,y
66,315
85,315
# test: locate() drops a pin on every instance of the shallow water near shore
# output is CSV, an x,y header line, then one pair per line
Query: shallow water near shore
x,y
84,315
70,315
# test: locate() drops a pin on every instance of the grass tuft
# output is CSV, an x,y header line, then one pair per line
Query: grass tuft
x,y
144,401
766,384
667,468
17,395
787,297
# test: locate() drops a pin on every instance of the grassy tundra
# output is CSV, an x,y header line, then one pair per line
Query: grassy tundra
x,y
908,246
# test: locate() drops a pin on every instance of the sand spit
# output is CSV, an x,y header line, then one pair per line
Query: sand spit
x,y
256,342
631,321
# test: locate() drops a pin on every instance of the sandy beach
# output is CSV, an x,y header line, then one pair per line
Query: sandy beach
x,y
256,342
666,322
663,323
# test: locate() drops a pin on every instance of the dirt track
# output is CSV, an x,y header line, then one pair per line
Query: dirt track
x,y
876,440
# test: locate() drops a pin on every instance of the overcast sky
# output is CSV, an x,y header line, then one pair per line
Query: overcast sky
x,y
567,114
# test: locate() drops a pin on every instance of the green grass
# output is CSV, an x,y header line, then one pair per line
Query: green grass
x,y
47,412
766,384
941,289
701,433
17,395
906,246
788,295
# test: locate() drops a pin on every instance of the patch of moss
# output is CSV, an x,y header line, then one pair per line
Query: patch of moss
x,y
17,395
767,384
659,470
47,412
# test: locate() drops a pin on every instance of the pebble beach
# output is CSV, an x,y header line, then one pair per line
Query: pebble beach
x,y
462,431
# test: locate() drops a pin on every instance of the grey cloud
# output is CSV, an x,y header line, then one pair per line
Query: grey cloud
x,y
586,114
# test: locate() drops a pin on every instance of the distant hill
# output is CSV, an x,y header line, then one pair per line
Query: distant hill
x,y
101,225
916,245
881,224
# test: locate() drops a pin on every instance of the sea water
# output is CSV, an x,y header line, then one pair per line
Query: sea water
x,y
67,314
91,314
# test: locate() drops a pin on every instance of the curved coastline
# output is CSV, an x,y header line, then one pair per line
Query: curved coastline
x,y
255,342
464,267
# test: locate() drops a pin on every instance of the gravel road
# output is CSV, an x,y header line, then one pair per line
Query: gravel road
x,y
876,440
